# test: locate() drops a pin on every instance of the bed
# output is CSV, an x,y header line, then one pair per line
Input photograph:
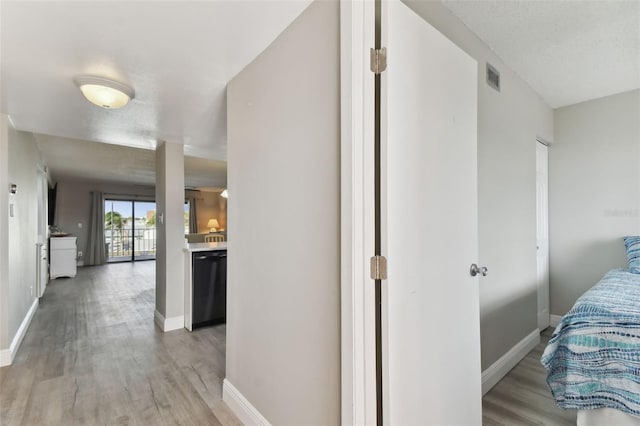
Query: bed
x,y
593,357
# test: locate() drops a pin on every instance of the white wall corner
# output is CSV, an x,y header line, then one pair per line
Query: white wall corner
x,y
492,375
554,320
168,324
174,323
8,355
5,357
159,319
241,407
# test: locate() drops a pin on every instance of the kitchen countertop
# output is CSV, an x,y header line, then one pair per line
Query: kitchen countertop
x,y
192,247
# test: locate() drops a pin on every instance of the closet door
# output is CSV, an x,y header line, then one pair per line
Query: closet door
x,y
430,327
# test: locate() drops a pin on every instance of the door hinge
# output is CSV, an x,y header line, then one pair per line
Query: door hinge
x,y
378,60
378,268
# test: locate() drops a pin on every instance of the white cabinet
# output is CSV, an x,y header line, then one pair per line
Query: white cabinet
x,y
62,257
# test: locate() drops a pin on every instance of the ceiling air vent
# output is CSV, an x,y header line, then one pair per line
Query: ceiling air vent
x,y
493,77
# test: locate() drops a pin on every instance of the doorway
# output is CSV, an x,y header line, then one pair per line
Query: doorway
x,y
427,169
429,204
129,230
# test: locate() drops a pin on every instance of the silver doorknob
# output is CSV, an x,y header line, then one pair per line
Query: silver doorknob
x,y
475,270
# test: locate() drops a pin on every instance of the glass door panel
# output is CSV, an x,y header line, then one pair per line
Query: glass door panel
x,y
117,230
129,230
144,241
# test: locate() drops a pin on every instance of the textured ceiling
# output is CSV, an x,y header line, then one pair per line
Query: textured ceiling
x,y
79,159
567,51
177,55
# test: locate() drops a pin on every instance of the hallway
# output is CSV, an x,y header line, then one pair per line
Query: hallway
x,y
93,355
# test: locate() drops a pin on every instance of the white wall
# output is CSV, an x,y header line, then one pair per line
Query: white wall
x,y
283,301
508,123
73,204
19,160
23,226
5,338
594,192
170,233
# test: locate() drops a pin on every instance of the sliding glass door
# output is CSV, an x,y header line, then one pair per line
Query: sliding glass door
x,y
144,241
129,230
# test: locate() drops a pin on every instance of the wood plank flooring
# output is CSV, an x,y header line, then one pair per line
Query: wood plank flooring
x,y
522,396
93,356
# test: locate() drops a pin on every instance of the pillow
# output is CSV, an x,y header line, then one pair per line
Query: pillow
x,y
632,244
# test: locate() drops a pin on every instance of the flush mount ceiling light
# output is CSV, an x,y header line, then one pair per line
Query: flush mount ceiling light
x,y
103,92
224,194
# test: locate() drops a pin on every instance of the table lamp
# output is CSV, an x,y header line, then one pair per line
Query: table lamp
x,y
212,225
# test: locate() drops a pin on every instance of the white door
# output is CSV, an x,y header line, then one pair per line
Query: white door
x,y
542,226
431,327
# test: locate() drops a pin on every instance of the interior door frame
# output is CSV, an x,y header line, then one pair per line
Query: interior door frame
x,y
358,339
358,331
546,321
42,215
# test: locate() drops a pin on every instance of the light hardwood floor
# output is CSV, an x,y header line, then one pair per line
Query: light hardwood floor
x,y
522,396
93,356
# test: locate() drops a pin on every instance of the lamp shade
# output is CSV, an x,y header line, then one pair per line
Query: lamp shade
x,y
103,92
213,224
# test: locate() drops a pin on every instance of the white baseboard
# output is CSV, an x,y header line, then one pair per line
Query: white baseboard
x,y
168,324
492,375
241,407
543,320
554,320
5,357
159,319
8,355
174,323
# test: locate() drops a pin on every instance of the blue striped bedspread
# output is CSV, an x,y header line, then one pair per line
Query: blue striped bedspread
x,y
593,357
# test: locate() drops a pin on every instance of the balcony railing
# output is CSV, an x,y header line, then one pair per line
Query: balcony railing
x,y
121,244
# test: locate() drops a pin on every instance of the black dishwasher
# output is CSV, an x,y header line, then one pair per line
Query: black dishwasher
x,y
209,288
